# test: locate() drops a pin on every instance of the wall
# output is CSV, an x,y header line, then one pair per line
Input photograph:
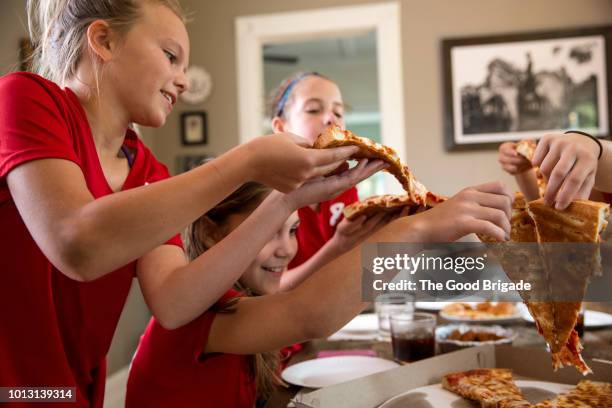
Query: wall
x,y
424,24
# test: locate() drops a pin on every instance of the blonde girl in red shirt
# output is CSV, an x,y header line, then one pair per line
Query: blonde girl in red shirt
x,y
85,206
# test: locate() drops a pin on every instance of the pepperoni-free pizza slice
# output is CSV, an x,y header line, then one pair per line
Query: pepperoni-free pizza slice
x,y
392,204
334,136
490,387
526,148
569,269
592,394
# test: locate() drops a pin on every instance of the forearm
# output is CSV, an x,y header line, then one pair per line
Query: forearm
x,y
190,290
138,220
528,184
603,178
335,289
312,310
316,308
293,277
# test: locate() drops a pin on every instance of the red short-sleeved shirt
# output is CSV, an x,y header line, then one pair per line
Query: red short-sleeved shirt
x,y
170,369
56,331
317,227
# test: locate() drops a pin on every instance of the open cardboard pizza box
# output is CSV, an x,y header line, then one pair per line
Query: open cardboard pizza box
x,y
526,363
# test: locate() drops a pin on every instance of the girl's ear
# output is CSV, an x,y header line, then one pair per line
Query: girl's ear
x,y
278,125
101,40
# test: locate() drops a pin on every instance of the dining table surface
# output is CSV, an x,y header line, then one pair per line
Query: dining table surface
x,y
597,345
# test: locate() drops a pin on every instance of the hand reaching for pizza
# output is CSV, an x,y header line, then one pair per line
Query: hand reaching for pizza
x,y
510,161
325,188
569,163
483,209
351,233
285,161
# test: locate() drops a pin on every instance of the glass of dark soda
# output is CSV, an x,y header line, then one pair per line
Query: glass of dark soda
x,y
413,336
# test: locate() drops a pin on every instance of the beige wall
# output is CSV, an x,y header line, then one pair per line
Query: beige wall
x,y
424,24
13,26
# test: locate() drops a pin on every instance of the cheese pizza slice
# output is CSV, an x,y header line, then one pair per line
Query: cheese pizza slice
x,y
490,387
582,222
526,148
334,136
591,394
392,204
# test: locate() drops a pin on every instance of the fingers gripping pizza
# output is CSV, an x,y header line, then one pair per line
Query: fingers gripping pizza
x,y
417,197
526,148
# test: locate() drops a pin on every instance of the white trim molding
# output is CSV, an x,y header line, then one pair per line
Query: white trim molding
x,y
252,32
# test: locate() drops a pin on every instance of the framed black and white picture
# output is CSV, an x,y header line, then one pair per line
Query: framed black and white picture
x,y
520,86
194,128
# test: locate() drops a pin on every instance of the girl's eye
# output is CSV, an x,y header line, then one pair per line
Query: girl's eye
x,y
293,230
313,111
170,56
338,115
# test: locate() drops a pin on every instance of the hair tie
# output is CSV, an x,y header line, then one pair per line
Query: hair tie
x,y
590,137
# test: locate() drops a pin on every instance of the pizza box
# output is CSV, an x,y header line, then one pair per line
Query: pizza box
x,y
369,392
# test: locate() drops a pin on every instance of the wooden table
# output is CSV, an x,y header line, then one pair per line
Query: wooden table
x,y
597,342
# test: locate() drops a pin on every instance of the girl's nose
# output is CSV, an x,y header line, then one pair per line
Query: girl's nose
x,y
181,82
285,247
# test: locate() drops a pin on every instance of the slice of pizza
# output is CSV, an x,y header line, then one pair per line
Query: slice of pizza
x,y
589,394
391,204
526,148
522,227
334,136
490,387
582,222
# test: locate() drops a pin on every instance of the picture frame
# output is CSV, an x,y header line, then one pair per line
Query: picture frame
x,y
522,86
194,128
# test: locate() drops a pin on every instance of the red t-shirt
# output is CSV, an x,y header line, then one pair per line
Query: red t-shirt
x,y
607,197
317,227
56,331
170,369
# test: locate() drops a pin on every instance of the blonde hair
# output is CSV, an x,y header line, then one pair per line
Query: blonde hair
x,y
201,235
58,29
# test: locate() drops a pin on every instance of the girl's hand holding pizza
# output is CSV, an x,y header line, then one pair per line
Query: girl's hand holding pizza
x,y
285,161
325,188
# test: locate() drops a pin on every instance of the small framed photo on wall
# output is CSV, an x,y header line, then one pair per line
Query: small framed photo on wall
x,y
194,128
525,85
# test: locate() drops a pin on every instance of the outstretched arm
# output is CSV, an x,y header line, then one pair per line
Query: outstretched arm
x,y
332,295
86,238
178,292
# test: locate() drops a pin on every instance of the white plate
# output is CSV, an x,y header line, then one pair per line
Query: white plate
x,y
431,306
323,372
363,323
592,318
436,396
